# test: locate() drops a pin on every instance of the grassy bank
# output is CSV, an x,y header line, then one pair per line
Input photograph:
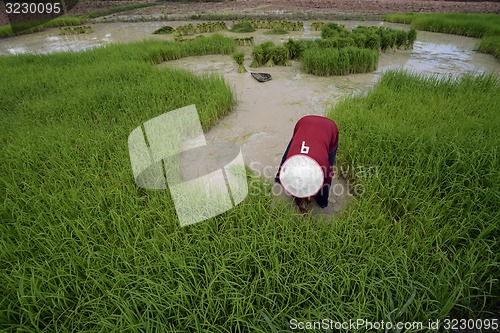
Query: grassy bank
x,y
82,248
32,27
121,9
485,26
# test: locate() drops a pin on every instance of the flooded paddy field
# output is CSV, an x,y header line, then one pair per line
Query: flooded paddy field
x,y
85,248
265,113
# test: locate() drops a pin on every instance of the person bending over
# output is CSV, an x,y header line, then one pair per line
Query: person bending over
x,y
306,169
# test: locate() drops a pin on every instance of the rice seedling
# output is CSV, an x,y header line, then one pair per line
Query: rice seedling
x,y
247,41
276,31
330,30
357,50
239,57
86,29
372,41
242,27
120,9
281,56
164,30
411,38
490,45
35,26
84,249
329,61
472,25
317,26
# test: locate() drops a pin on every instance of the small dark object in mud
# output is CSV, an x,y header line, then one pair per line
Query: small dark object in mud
x,y
261,77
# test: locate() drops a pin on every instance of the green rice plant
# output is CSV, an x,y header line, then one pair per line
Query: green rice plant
x,y
185,30
281,56
472,25
438,170
373,41
411,38
247,41
258,56
490,45
328,61
401,39
119,9
164,30
239,57
6,31
297,47
330,30
87,29
36,26
241,27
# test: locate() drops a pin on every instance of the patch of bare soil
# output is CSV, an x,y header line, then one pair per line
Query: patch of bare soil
x,y
335,8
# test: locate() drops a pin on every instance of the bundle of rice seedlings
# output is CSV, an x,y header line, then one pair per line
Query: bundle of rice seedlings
x,y
243,26
372,41
297,47
316,26
333,30
281,56
239,57
359,39
401,38
276,31
411,37
164,30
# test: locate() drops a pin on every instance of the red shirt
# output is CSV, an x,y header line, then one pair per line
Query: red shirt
x,y
316,137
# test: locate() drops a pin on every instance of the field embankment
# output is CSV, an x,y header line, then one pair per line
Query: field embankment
x,y
484,26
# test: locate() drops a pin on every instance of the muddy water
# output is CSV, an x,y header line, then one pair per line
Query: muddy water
x,y
266,113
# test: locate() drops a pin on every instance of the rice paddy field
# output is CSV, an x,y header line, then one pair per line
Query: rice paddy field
x,y
84,249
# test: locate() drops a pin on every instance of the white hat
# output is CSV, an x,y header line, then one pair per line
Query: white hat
x,y
301,176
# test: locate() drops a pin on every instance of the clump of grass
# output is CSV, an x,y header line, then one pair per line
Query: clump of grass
x,y
248,41
242,27
330,30
239,57
338,52
271,24
30,27
86,29
164,30
119,9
